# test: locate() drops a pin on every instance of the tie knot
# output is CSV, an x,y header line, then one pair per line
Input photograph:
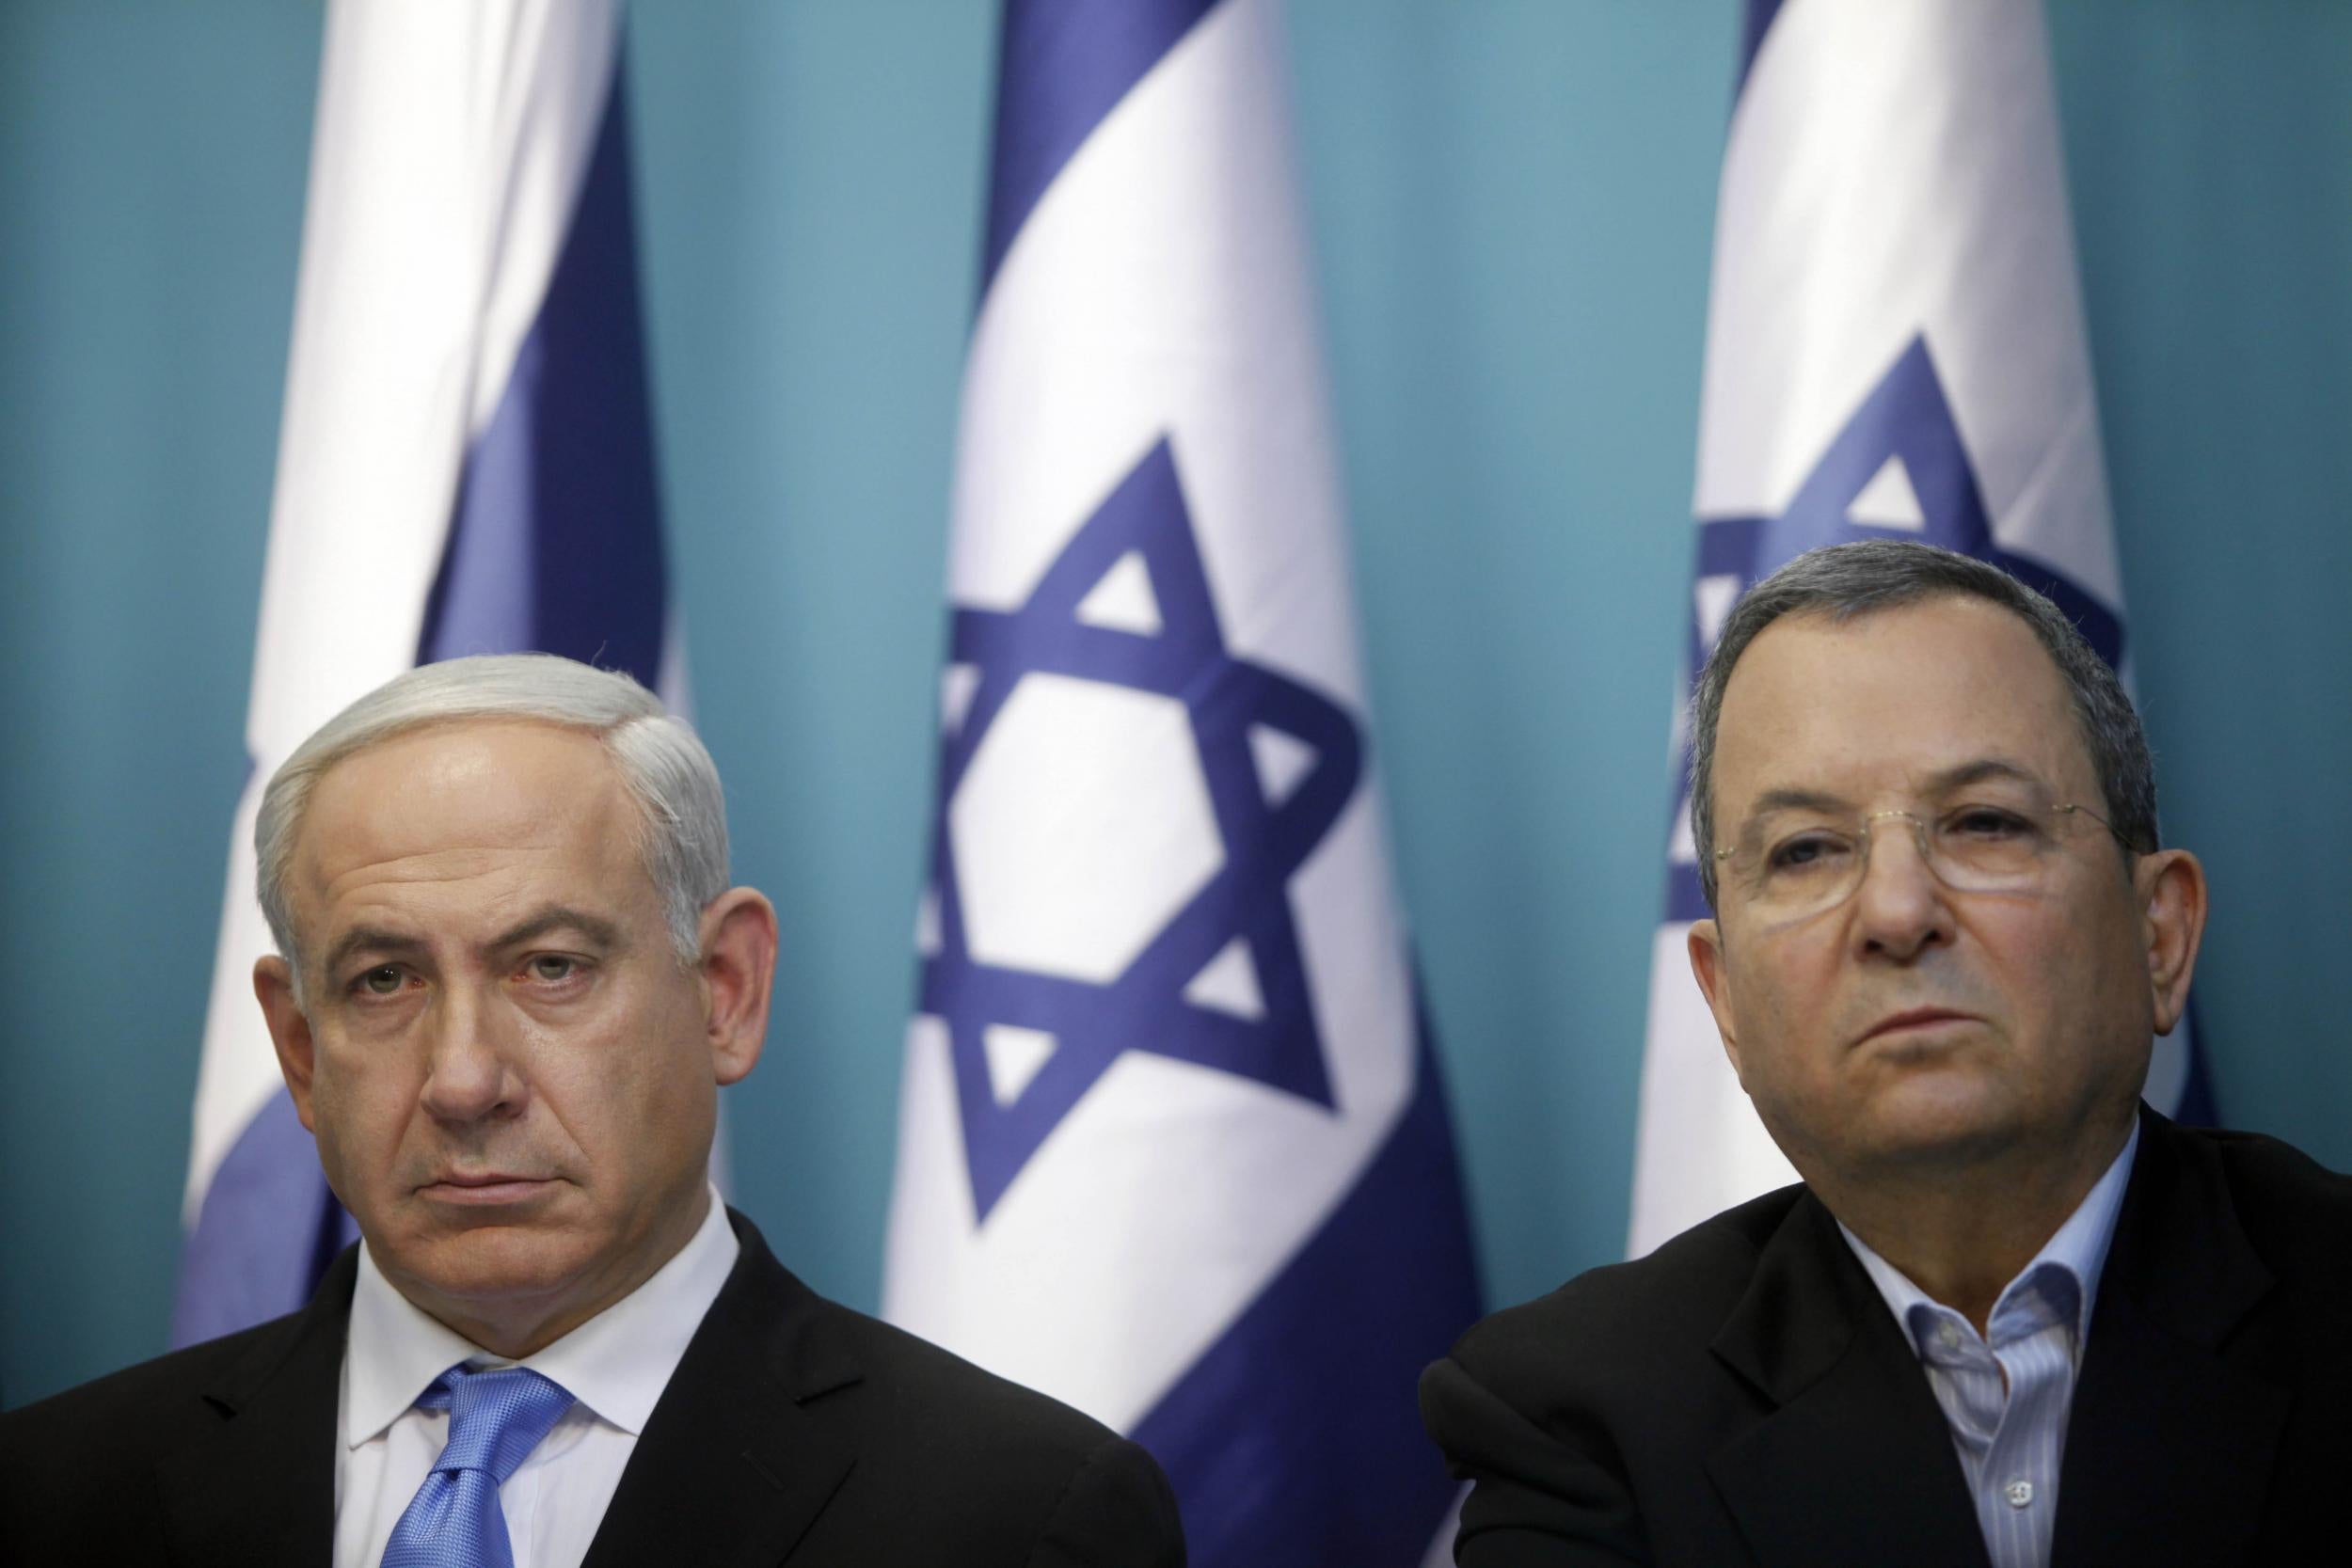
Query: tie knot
x,y
497,1415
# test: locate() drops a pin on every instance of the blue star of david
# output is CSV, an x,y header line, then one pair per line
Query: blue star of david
x,y
1906,416
1142,1008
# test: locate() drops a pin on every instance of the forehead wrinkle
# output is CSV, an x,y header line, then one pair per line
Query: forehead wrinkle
x,y
444,862
423,869
549,917
1981,770
391,830
512,799
364,893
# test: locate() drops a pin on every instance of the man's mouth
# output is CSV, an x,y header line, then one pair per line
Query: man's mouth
x,y
1915,1019
484,1187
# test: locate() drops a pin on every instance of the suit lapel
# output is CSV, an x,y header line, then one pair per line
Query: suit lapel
x,y
261,1492
2169,1448
732,1467
1856,1464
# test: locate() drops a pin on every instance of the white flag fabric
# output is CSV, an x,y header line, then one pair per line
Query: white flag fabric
x,y
1172,1145
464,465
1895,350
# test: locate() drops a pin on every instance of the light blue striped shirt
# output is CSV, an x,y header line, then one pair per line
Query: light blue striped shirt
x,y
2007,1402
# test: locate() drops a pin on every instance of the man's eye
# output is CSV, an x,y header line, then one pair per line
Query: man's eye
x,y
553,967
1986,822
383,980
1804,854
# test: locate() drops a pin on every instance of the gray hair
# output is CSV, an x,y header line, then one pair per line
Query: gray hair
x,y
1844,581
683,820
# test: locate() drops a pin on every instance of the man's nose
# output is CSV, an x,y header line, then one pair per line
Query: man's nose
x,y
1900,908
470,1071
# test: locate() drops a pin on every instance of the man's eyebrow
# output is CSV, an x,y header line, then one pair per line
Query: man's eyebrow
x,y
1797,799
373,940
1979,770
599,931
369,938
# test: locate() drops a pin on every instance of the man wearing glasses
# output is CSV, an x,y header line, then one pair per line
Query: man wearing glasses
x,y
2011,1316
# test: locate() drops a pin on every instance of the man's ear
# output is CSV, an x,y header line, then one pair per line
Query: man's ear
x,y
2171,888
289,1031
1706,947
738,970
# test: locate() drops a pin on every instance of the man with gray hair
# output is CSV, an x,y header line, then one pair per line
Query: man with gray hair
x,y
510,978
2011,1316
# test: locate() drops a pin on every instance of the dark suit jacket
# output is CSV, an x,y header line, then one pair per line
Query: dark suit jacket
x,y
793,1431
1744,1396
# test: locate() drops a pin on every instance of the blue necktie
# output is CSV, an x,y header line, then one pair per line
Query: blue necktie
x,y
495,1420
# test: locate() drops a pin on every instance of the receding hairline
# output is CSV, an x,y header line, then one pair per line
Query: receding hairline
x,y
1839,617
417,729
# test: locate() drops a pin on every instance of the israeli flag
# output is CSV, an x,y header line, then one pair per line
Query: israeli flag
x,y
1172,1147
1895,350
465,465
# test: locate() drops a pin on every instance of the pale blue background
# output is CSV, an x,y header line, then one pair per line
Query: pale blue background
x,y
1513,206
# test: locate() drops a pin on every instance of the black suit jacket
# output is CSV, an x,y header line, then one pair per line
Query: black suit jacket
x,y
794,1432
1744,1396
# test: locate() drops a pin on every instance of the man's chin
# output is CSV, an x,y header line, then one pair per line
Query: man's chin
x,y
487,1261
1956,1120
1923,1115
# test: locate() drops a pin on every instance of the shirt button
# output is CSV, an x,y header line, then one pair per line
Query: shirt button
x,y
1948,1336
2019,1493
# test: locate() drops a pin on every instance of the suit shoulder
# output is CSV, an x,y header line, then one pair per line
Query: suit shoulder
x,y
923,1398
145,1396
1670,1301
918,1378
85,1442
2276,1172
2296,1211
1006,1463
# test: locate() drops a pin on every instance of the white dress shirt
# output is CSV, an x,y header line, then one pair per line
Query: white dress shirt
x,y
615,1366
2007,1402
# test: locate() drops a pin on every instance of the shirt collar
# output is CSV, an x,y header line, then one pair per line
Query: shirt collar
x,y
615,1363
2069,1260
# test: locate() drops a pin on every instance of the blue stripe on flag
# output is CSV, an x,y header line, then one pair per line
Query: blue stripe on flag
x,y
264,1234
1686,899
1075,60
2197,1107
1325,1363
1754,23
556,544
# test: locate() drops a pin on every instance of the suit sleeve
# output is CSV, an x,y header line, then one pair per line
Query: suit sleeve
x,y
1118,1512
1542,1495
